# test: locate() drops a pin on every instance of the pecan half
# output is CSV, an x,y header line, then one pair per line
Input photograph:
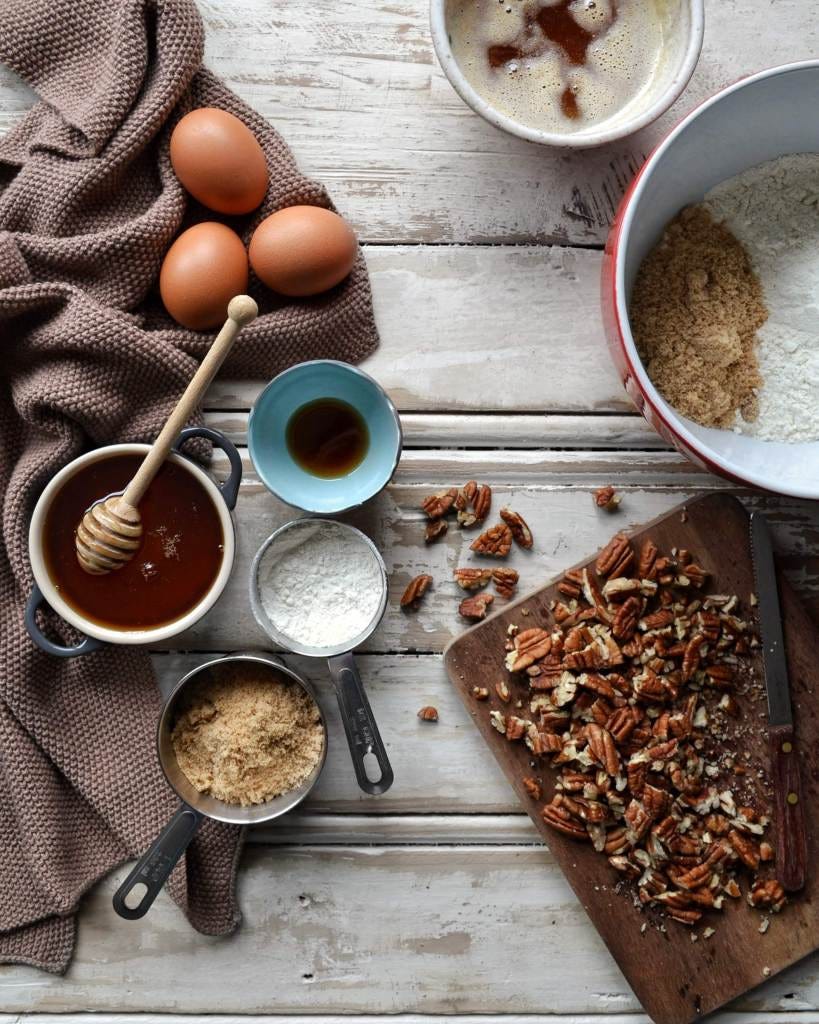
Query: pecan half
x,y
646,565
625,621
560,820
529,646
473,504
428,714
517,524
506,580
472,579
438,505
616,558
416,588
496,542
474,608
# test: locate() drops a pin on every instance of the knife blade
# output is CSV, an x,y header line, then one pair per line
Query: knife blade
x,y
791,842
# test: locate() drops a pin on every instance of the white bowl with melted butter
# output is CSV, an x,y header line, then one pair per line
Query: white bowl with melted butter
x,y
573,73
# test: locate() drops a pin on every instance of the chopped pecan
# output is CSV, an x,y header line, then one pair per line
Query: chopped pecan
x,y
502,690
496,542
474,608
472,579
480,693
438,505
506,581
428,714
515,727
695,574
692,655
532,787
745,848
607,498
767,894
620,588
435,529
416,588
517,524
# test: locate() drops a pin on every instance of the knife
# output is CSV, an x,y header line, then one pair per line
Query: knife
x,y
791,844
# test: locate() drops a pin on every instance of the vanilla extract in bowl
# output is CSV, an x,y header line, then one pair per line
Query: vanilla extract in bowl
x,y
327,437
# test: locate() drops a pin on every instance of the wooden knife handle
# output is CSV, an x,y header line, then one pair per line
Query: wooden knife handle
x,y
791,842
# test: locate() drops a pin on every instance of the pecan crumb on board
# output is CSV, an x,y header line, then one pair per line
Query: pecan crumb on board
x,y
631,695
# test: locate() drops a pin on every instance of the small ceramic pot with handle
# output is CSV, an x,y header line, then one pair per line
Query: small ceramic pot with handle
x,y
96,635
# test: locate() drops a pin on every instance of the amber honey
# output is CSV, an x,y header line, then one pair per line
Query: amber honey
x,y
175,566
327,437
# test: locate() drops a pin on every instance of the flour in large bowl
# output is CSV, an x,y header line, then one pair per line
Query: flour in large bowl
x,y
773,209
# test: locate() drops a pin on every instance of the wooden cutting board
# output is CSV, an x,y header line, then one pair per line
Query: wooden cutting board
x,y
675,979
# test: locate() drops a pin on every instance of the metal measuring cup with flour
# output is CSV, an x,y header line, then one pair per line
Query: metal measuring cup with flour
x,y
318,588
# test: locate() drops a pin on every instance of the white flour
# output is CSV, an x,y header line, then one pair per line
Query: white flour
x,y
320,585
773,209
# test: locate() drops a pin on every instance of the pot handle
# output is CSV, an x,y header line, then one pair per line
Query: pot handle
x,y
363,736
230,488
86,646
155,865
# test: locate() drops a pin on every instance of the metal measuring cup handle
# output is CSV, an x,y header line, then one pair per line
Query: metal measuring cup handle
x,y
363,736
154,867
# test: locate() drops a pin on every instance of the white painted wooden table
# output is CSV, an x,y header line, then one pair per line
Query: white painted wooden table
x,y
436,899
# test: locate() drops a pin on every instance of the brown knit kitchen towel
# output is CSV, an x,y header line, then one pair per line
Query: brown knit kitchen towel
x,y
88,206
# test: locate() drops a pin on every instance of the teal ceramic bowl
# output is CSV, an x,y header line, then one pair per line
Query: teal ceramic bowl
x,y
267,437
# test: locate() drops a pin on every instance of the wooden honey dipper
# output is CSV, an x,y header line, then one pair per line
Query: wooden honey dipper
x,y
111,530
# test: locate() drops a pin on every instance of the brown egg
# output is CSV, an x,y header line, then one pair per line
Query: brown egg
x,y
218,160
303,250
202,271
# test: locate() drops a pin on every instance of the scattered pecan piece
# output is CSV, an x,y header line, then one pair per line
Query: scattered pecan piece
x,y
428,714
517,524
480,693
506,580
767,894
607,498
474,608
496,542
438,505
472,579
416,588
435,529
532,787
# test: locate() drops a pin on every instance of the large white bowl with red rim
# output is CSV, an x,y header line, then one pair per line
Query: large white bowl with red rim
x,y
759,118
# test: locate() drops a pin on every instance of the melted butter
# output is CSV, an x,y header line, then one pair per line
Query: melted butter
x,y
558,66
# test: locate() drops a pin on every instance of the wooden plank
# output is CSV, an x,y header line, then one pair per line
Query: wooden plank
x,y
483,329
356,90
747,1017
664,967
432,930
498,431
552,490
439,768
304,828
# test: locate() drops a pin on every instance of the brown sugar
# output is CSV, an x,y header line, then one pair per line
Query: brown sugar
x,y
247,736
695,310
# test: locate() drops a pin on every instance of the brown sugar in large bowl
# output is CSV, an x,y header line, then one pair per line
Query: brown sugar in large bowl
x,y
178,571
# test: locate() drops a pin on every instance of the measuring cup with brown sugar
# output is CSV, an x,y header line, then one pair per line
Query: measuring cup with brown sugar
x,y
139,890
318,587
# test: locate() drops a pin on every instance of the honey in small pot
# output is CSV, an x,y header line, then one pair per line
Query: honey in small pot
x,y
177,563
